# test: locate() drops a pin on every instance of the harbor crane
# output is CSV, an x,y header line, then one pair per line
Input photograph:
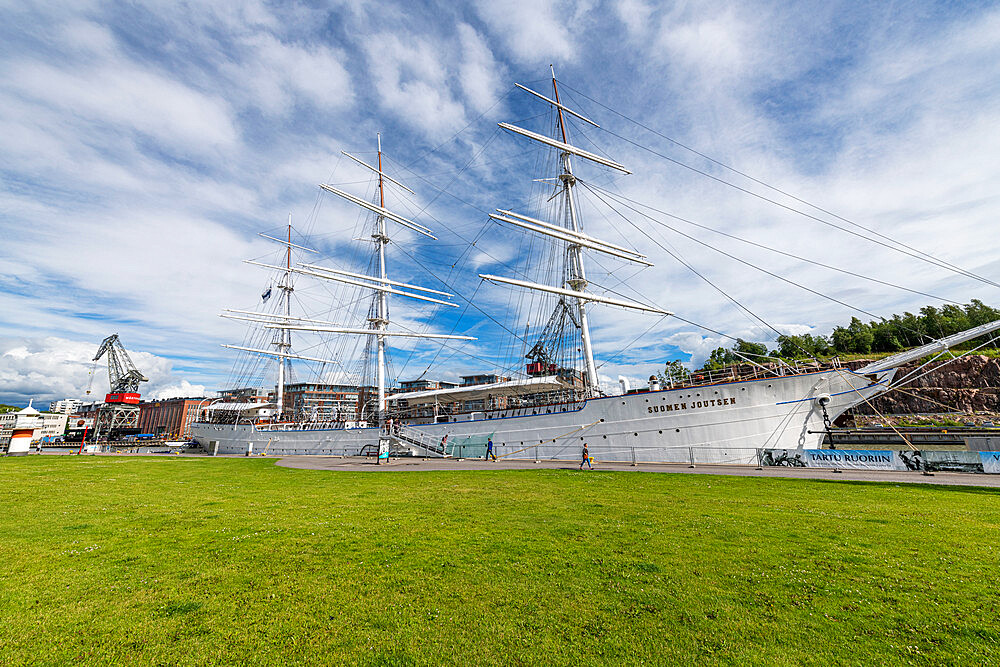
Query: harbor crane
x,y
120,410
546,355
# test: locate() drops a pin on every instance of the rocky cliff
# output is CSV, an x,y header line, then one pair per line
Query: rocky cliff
x,y
969,385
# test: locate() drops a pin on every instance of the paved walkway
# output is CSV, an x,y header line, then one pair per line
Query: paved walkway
x,y
359,464
364,464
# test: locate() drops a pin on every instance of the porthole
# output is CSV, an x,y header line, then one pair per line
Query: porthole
x,y
661,432
636,434
602,419
605,437
678,430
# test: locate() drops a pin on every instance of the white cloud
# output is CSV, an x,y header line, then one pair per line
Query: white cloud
x,y
277,75
131,98
479,73
635,14
412,83
534,31
182,389
51,368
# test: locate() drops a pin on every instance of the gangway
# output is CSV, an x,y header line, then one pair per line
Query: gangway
x,y
408,435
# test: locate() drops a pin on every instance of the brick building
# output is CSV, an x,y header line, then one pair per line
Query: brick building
x,y
170,418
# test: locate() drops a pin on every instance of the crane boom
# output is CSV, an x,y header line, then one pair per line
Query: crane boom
x,y
123,376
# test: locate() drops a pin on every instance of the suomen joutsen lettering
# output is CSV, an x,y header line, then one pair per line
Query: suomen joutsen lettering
x,y
707,403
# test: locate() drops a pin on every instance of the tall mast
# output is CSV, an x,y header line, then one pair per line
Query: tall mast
x,y
284,342
577,277
381,319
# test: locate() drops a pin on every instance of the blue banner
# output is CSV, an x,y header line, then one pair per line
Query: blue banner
x,y
991,462
866,459
874,459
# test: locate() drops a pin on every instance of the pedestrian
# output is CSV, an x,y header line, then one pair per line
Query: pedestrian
x,y
489,450
586,458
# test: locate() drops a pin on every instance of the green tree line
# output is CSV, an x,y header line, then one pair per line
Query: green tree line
x,y
890,335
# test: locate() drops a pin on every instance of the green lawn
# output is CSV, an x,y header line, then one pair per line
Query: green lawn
x,y
195,561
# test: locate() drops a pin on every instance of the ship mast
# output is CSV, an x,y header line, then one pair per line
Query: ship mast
x,y
284,342
577,276
380,284
381,319
570,232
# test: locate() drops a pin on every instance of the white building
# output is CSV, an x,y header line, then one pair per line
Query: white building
x,y
40,424
17,430
54,425
67,406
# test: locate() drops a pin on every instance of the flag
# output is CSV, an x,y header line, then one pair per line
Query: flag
x,y
266,295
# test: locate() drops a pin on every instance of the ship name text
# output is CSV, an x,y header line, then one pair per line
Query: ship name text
x,y
707,403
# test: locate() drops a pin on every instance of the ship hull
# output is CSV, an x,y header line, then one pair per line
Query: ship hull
x,y
719,423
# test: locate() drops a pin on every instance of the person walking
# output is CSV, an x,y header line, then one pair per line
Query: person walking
x,y
586,458
489,450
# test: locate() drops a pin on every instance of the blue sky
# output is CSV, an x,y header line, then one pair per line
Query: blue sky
x,y
143,145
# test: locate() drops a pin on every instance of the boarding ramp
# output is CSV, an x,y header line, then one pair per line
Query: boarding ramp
x,y
428,445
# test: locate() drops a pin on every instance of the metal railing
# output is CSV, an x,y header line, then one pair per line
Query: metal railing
x,y
412,436
743,372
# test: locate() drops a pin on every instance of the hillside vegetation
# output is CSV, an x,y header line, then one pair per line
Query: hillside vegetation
x,y
879,337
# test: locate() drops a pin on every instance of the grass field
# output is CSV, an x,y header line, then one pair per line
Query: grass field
x,y
195,561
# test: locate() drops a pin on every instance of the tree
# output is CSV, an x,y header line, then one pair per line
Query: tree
x,y
857,337
721,357
805,345
674,373
884,337
750,349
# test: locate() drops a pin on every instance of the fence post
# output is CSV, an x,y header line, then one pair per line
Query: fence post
x,y
691,457
633,456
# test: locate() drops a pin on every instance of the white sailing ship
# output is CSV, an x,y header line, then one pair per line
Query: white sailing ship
x,y
557,404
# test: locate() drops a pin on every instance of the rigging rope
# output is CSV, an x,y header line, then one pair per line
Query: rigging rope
x,y
618,196
700,275
912,252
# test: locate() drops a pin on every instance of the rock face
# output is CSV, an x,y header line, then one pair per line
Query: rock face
x,y
970,384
